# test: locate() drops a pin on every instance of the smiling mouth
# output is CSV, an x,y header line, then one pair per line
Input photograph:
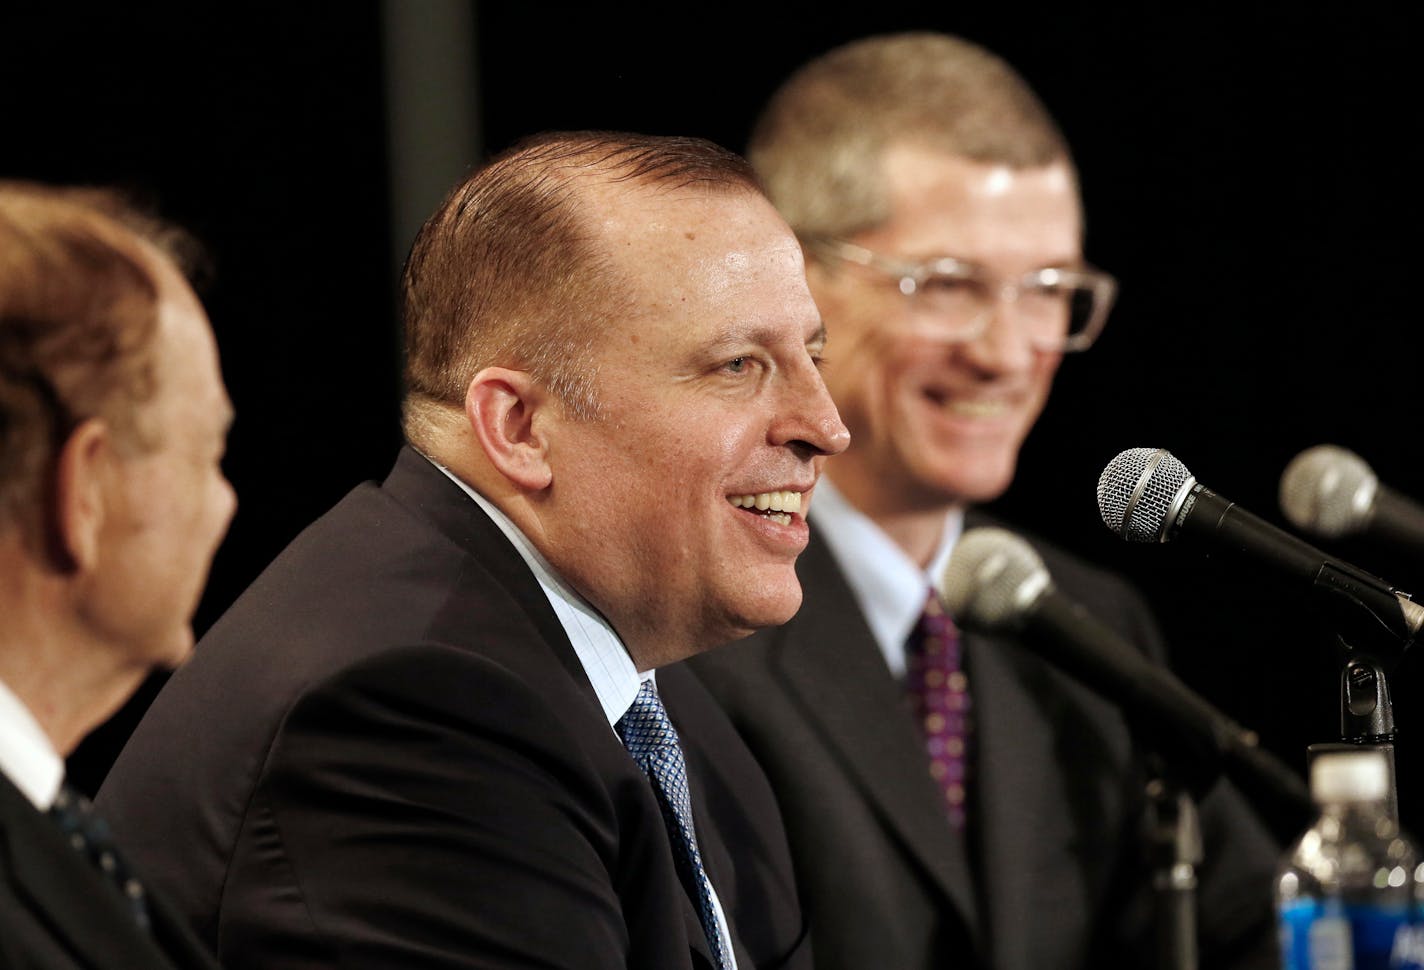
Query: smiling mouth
x,y
776,506
967,408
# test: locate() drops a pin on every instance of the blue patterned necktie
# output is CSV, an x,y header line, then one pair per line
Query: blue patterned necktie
x,y
88,834
652,741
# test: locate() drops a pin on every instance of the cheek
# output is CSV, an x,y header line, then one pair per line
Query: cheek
x,y
1043,373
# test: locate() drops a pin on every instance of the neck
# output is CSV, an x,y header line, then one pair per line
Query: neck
x,y
913,521
69,682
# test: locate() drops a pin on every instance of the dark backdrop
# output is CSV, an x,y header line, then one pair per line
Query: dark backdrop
x,y
1250,177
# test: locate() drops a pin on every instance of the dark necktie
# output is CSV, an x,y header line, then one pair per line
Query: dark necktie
x,y
651,739
939,697
89,835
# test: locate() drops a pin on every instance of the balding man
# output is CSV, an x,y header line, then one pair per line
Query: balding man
x,y
431,734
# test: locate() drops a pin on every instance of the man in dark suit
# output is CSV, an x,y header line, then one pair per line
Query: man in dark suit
x,y
951,800
428,735
112,422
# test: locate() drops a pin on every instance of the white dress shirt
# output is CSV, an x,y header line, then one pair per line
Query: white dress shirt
x,y
27,757
887,584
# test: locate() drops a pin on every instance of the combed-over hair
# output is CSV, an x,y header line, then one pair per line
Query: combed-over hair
x,y
510,272
79,308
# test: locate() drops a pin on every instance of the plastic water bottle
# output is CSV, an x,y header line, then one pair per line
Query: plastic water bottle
x,y
1345,895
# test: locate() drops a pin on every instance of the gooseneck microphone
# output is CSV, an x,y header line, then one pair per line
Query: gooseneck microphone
x,y
995,582
1331,492
1147,495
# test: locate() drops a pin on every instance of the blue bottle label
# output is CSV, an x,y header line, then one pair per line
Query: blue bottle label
x,y
1334,936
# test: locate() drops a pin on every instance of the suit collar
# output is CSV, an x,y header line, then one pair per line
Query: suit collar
x,y
610,669
426,492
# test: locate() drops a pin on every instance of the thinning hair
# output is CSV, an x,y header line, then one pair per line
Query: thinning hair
x,y
820,142
510,270
79,308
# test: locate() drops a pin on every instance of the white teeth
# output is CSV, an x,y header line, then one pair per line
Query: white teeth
x,y
773,502
977,409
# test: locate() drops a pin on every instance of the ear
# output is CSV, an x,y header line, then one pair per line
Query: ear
x,y
83,478
508,411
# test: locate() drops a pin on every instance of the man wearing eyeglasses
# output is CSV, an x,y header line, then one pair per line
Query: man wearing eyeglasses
x,y
951,799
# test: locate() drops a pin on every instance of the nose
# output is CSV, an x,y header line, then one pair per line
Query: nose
x,y
807,420
1002,346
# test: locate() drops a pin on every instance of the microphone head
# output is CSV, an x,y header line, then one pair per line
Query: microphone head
x,y
1329,491
992,580
1140,493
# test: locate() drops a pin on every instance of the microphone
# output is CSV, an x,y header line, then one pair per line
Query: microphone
x,y
995,582
1147,495
1331,492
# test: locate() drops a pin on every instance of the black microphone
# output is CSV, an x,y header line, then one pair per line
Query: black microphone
x,y
1331,492
1147,495
995,582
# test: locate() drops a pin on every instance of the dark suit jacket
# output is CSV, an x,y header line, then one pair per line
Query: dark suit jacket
x,y
1049,875
56,913
386,754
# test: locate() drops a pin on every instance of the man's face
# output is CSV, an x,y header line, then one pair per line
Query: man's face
x,y
709,392
172,504
937,422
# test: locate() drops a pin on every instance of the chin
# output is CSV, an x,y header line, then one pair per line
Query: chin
x,y
180,648
767,611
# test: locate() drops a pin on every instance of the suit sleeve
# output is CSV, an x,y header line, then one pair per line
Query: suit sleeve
x,y
426,809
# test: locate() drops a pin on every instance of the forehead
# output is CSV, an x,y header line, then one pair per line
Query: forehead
x,y
185,351
943,204
703,261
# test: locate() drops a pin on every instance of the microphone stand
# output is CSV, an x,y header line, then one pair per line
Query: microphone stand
x,y
1366,718
1175,846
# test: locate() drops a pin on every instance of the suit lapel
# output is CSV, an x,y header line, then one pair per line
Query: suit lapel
x,y
1015,752
65,891
833,667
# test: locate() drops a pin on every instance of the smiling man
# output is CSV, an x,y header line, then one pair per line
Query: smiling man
x,y
430,734
951,801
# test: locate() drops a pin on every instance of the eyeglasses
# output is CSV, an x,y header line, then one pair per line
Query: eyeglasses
x,y
1061,309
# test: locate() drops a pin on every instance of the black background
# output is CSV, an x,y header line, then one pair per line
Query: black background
x,y
1251,176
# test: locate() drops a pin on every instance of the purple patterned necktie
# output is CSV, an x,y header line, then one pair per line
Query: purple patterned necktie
x,y
939,697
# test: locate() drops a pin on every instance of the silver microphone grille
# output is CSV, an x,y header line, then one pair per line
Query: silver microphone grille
x,y
992,580
1139,492
1328,490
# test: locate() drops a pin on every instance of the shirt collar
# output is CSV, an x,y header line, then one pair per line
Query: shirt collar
x,y
604,658
27,757
887,584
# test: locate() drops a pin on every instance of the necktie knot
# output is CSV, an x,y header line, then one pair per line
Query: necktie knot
x,y
647,731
